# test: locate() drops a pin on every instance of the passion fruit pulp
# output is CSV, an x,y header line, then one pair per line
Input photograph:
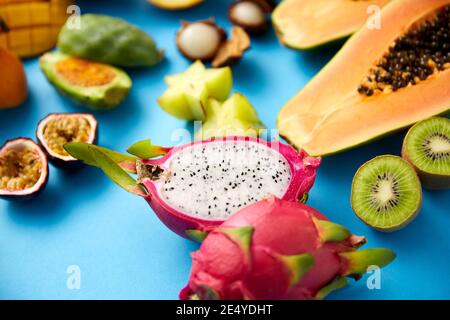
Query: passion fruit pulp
x,y
23,169
57,129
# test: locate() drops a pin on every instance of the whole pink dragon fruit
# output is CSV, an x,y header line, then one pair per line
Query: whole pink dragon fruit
x,y
194,187
276,249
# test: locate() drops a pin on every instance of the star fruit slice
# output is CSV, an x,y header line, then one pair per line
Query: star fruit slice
x,y
188,92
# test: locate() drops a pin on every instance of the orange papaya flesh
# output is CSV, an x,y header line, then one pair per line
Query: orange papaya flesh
x,y
305,24
329,114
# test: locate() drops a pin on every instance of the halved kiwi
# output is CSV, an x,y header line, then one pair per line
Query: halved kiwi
x,y
427,148
386,193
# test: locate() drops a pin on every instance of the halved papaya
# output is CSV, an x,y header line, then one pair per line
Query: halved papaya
x,y
380,81
304,24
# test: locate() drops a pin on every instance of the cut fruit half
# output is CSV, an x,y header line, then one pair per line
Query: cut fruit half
x,y
386,193
57,129
305,24
194,187
96,85
379,82
23,169
427,148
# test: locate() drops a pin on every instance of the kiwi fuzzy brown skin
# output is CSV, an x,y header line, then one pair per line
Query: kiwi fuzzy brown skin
x,y
429,181
404,223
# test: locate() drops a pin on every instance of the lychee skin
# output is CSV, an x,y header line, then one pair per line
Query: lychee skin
x,y
277,249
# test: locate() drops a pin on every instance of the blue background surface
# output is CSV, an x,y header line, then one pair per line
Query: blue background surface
x,y
122,249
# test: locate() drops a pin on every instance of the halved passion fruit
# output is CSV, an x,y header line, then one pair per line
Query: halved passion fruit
x,y
23,169
57,129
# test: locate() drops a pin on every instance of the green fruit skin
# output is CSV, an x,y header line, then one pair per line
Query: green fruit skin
x,y
96,98
109,40
429,181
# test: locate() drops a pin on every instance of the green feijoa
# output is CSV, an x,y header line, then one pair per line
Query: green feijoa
x,y
109,40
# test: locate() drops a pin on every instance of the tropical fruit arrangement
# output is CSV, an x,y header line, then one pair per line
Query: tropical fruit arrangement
x,y
235,190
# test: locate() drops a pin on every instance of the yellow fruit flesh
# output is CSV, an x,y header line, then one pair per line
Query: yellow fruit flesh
x,y
19,169
32,26
67,129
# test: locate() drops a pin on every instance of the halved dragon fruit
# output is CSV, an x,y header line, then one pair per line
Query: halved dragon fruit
x,y
195,187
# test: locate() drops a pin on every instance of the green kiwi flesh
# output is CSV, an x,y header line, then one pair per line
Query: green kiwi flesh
x,y
427,148
386,193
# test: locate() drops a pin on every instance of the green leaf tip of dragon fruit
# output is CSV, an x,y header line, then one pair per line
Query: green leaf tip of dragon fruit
x,y
196,235
233,117
188,92
146,150
115,172
114,164
336,284
241,236
82,151
298,265
359,261
330,231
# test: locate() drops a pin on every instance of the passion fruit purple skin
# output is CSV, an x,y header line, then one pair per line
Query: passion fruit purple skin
x,y
60,161
29,193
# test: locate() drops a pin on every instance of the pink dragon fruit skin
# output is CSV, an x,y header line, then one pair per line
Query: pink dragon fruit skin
x,y
303,171
277,249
